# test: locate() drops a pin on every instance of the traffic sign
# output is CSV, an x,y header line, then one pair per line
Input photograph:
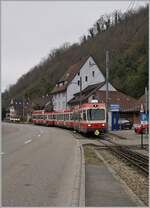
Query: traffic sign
x,y
144,118
114,107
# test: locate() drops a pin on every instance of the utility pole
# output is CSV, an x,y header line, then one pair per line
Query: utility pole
x,y
80,89
66,99
146,100
146,107
107,87
23,108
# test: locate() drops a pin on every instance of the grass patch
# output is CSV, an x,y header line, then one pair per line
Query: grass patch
x,y
90,156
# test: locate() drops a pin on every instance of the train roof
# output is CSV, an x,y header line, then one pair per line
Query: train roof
x,y
92,105
38,112
85,106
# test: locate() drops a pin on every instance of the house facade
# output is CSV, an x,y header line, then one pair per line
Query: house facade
x,y
86,71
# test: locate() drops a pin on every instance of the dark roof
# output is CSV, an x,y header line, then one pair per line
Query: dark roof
x,y
85,93
16,103
126,102
27,104
91,88
69,75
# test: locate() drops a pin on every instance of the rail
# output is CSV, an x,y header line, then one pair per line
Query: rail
x,y
137,159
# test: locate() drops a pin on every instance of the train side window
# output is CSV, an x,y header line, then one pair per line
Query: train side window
x,y
71,116
61,117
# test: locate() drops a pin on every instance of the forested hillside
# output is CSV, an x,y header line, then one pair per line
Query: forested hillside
x,y
126,38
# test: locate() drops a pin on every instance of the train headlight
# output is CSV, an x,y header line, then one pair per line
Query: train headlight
x,y
89,125
103,124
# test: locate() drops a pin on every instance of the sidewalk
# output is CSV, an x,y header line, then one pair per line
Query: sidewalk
x,y
102,188
129,137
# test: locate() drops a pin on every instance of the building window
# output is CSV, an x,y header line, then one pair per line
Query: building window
x,y
86,78
78,82
93,73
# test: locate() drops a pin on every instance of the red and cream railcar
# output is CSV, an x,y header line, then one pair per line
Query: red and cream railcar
x,y
64,119
90,117
68,122
38,117
49,116
43,118
87,118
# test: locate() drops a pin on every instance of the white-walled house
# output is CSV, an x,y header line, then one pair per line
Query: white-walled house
x,y
66,93
86,70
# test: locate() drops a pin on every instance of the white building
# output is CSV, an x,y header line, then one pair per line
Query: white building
x,y
85,70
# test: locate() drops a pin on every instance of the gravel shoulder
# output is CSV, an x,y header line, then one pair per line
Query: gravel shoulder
x,y
133,178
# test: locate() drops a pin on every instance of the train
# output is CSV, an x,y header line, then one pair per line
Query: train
x,y
86,118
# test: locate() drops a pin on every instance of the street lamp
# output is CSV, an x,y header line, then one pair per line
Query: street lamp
x,y
107,84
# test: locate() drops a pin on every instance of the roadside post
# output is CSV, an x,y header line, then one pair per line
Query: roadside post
x,y
144,123
114,108
142,140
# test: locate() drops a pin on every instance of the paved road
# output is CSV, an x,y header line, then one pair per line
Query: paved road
x,y
38,165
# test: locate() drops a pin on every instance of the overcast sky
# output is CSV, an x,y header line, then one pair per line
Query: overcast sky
x,y
30,30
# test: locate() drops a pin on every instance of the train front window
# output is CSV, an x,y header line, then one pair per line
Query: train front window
x,y
95,114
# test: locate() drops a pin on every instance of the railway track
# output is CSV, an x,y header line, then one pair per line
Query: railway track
x,y
122,151
135,158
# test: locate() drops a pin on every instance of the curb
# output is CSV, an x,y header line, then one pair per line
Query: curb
x,y
134,197
78,194
82,181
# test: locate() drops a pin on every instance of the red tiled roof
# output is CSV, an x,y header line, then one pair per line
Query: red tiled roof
x,y
141,100
126,102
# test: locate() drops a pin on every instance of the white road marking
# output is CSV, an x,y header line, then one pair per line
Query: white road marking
x,y
2,153
39,135
28,141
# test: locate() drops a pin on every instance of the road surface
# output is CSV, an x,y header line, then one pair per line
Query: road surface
x,y
38,165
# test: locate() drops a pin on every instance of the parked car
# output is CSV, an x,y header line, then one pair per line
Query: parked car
x,y
140,128
124,124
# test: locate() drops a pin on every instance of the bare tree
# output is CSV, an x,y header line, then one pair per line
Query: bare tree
x,y
91,32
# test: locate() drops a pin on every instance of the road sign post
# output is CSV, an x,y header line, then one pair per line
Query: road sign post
x,y
114,108
142,139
